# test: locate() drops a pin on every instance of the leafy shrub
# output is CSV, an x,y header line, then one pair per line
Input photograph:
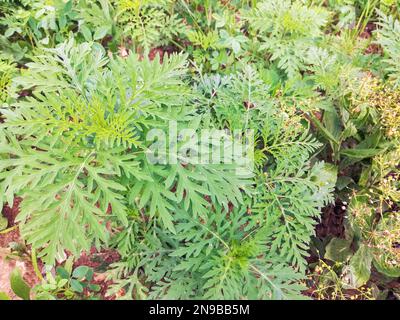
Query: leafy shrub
x,y
97,97
286,30
99,114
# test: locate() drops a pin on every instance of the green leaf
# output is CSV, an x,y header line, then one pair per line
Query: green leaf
x,y
338,250
3,223
62,273
10,31
19,286
89,275
159,200
392,271
81,272
62,283
68,265
87,34
360,154
76,286
360,266
4,296
324,131
325,175
349,131
332,123
343,181
100,32
94,287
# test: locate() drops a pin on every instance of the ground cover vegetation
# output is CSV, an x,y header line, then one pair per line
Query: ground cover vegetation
x,y
86,214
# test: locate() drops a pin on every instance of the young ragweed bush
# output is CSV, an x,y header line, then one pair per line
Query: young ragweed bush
x,y
286,30
184,230
220,43
76,118
148,23
388,36
39,22
7,71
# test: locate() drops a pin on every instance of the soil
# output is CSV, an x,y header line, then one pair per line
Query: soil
x,y
11,212
160,51
99,261
332,221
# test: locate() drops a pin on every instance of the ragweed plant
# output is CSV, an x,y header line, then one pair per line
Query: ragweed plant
x,y
7,71
388,36
286,30
149,23
200,141
188,229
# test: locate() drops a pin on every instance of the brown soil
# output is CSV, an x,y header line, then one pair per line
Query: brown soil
x,y
99,261
11,212
160,51
332,221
